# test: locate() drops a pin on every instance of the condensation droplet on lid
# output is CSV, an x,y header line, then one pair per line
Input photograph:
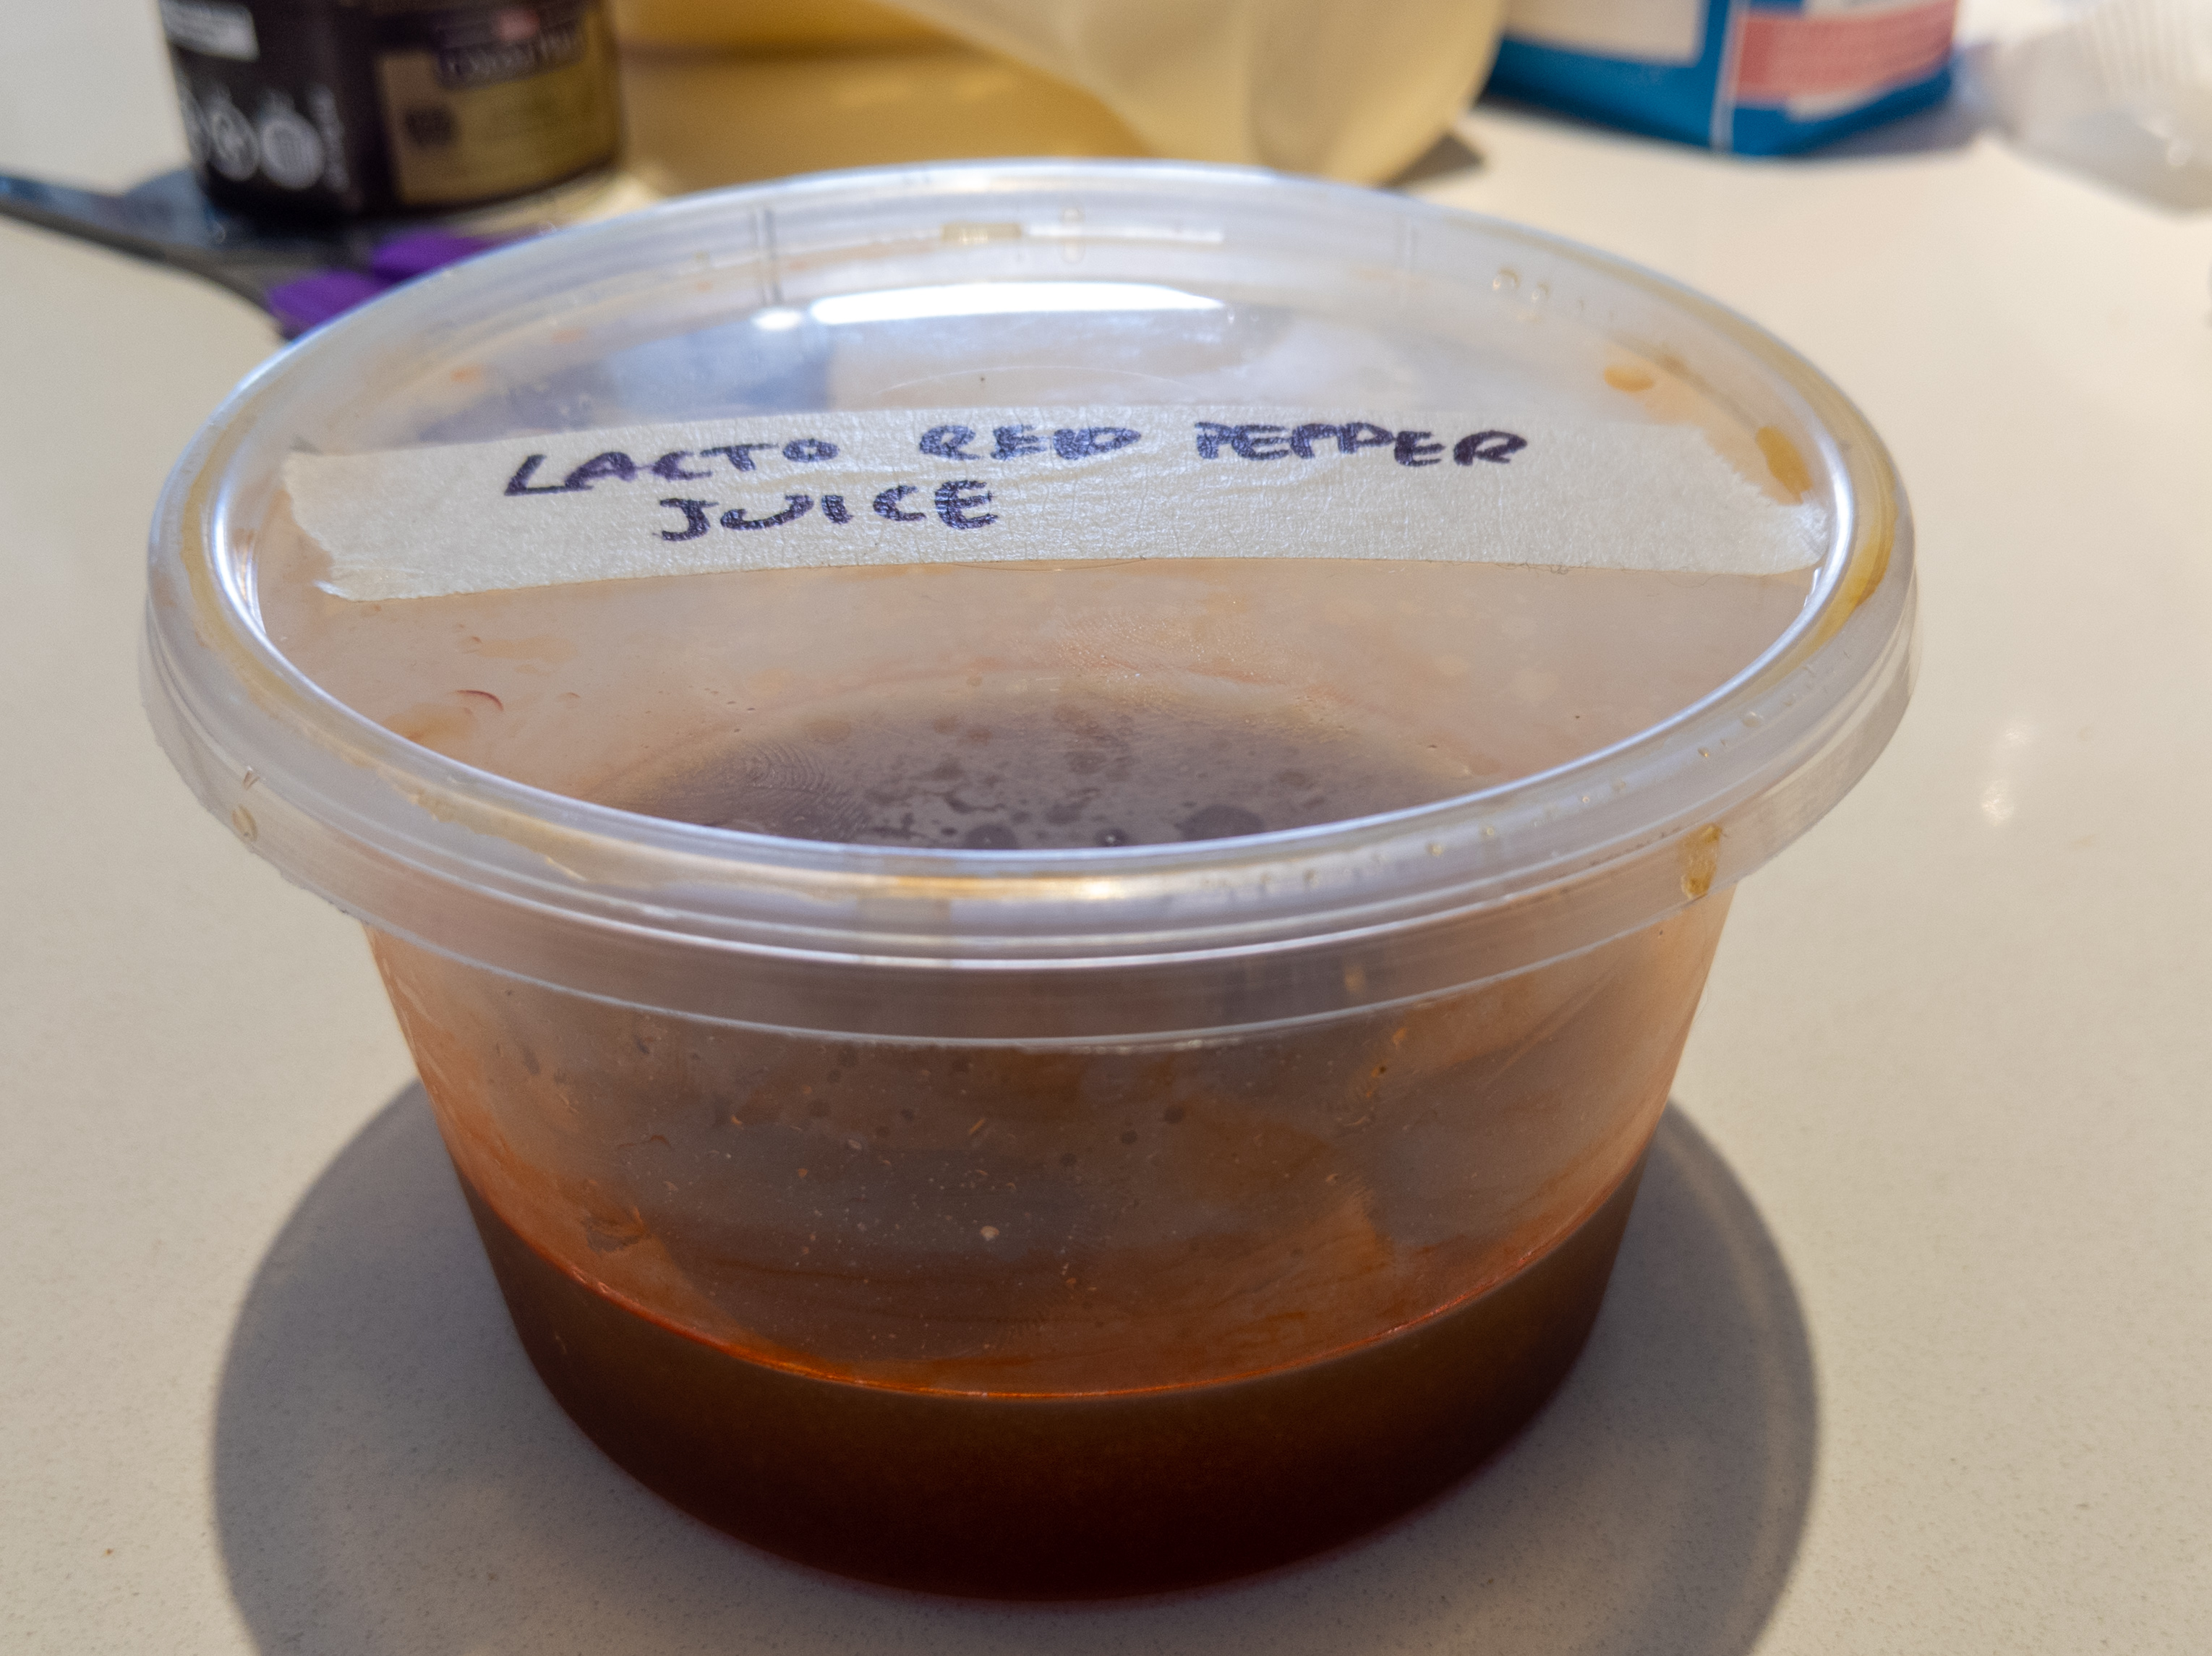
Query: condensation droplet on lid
x,y
970,233
1505,281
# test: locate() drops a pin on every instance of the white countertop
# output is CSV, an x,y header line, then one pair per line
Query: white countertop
x,y
1908,1347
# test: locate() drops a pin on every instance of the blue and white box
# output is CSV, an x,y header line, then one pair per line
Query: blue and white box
x,y
1762,79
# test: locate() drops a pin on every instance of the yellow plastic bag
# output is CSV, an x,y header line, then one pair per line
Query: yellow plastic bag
x,y
757,27
1309,86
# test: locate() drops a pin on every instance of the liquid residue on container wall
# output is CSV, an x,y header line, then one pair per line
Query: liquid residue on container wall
x,y
1783,462
1701,857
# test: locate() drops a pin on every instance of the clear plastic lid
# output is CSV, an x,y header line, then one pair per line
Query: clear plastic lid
x,y
799,603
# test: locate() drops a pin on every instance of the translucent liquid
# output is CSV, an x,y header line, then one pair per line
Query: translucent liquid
x,y
1050,1320
1067,1496
1045,1321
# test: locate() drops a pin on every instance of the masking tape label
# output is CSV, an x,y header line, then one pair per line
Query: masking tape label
x,y
1037,485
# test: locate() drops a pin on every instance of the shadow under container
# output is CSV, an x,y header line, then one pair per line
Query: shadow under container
x,y
1037,1223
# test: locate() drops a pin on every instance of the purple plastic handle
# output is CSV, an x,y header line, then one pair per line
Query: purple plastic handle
x,y
420,252
312,300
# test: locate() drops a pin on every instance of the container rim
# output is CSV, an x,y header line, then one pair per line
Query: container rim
x,y
353,810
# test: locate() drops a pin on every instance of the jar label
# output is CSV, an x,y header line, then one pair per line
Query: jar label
x,y
481,102
211,27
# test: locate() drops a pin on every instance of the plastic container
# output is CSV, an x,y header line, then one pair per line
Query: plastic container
x,y
1046,1221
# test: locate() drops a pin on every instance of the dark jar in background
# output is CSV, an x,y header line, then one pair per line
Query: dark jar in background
x,y
355,109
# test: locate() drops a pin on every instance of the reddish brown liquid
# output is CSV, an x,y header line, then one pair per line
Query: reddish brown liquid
x,y
1051,1321
1058,1497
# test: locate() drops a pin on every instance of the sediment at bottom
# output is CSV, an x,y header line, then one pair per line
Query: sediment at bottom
x,y
1059,1498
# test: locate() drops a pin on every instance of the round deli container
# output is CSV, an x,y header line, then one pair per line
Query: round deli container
x,y
962,1207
